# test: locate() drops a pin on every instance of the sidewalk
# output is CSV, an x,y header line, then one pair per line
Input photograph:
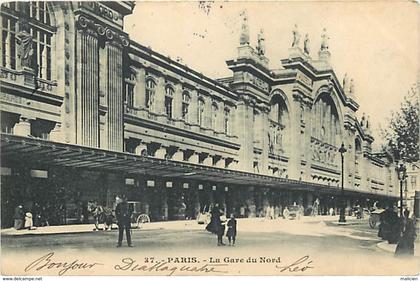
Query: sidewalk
x,y
173,225
391,247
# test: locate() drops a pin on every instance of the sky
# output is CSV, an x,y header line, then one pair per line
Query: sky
x,y
376,43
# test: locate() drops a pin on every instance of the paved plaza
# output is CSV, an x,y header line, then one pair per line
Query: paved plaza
x,y
324,246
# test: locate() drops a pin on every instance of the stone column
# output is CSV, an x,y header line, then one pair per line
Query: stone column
x,y
293,169
87,85
177,103
23,127
115,120
264,141
140,89
193,108
160,97
208,112
56,133
244,122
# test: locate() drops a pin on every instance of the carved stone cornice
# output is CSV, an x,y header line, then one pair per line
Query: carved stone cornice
x,y
302,99
96,29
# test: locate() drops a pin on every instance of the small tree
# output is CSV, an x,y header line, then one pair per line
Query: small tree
x,y
402,133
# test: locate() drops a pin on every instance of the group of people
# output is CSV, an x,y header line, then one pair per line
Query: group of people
x,y
217,226
22,219
396,230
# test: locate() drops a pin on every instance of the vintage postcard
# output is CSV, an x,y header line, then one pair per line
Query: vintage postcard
x,y
209,138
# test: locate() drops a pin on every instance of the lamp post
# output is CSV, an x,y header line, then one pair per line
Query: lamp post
x,y
401,176
342,219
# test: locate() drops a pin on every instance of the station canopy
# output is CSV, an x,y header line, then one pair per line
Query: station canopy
x,y
45,153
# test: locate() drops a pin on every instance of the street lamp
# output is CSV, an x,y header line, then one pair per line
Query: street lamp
x,y
401,176
342,219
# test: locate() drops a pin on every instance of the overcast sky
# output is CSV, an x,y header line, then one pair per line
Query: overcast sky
x,y
376,43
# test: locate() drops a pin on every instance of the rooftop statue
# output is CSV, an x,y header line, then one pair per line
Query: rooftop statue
x,y
351,86
306,48
244,39
261,43
345,82
296,37
324,42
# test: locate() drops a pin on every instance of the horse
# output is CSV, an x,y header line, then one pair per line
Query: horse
x,y
101,214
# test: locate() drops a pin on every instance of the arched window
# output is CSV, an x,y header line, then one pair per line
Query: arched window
x,y
185,105
278,133
214,110
129,83
150,94
169,96
200,112
226,121
38,30
326,125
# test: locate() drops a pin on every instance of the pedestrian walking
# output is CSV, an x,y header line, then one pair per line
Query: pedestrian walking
x,y
406,243
123,214
286,213
231,231
215,226
19,217
29,223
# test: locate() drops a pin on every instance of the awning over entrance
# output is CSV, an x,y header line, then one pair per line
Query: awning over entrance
x,y
15,149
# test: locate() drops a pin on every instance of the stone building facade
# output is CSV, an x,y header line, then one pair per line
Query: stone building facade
x,y
82,106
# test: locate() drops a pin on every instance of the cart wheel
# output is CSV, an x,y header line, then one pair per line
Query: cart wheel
x,y
143,218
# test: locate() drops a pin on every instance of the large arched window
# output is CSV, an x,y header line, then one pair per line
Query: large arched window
x,y
185,105
326,125
150,94
169,97
39,30
200,112
278,125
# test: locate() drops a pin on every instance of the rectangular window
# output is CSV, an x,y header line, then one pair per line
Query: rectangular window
x,y
8,43
39,174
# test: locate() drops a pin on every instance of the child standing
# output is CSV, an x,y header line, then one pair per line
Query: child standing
x,y
231,232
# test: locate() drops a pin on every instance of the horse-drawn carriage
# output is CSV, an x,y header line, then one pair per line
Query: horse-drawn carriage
x,y
105,217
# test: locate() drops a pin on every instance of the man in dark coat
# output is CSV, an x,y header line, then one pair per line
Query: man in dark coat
x,y
19,217
123,213
406,244
215,226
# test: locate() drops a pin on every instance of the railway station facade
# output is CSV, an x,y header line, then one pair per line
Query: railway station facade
x,y
88,114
